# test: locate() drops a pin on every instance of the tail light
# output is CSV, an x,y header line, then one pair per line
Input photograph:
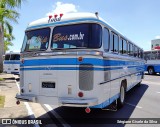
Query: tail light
x,y
80,94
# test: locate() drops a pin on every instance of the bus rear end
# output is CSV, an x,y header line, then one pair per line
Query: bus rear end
x,y
63,65
11,63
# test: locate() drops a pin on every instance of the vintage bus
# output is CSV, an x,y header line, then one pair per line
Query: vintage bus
x,y
77,60
152,65
11,63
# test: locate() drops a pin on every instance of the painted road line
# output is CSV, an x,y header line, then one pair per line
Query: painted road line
x,y
133,105
158,92
17,86
30,112
59,118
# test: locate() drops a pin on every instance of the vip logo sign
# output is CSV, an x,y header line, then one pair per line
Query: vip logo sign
x,y
55,18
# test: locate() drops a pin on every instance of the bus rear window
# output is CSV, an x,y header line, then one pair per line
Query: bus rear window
x,y
77,36
15,57
7,57
36,40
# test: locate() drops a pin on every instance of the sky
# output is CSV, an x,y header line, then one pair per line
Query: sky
x,y
138,20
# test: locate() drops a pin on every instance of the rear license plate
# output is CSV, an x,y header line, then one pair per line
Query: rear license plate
x,y
48,84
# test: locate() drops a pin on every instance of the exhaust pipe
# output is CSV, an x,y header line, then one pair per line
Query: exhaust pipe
x,y
87,110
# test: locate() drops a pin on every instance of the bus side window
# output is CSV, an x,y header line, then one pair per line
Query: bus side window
x,y
153,55
120,46
106,39
114,42
111,42
135,51
124,47
148,56
129,49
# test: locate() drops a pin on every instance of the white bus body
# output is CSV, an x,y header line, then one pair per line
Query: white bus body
x,y
11,63
81,65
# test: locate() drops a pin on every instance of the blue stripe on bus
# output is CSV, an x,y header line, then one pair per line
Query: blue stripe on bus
x,y
141,68
107,102
12,62
62,61
74,61
59,68
55,61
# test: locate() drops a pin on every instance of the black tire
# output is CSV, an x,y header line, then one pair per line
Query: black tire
x,y
121,99
151,71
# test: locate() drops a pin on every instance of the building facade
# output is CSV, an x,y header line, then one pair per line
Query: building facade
x,y
155,44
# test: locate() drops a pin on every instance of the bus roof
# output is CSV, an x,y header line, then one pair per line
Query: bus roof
x,y
69,17
12,53
72,18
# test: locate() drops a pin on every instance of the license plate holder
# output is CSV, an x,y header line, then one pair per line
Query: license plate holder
x,y
48,84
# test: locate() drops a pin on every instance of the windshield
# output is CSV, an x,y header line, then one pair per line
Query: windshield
x,y
7,57
76,36
15,57
36,40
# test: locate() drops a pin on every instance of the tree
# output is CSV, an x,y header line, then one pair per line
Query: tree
x,y
7,40
7,13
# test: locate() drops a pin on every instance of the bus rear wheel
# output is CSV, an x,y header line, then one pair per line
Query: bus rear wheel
x,y
151,71
121,99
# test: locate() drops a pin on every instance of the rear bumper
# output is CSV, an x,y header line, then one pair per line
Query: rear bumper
x,y
26,97
78,102
71,102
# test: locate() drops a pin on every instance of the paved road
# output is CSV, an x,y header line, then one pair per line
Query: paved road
x,y
141,103
9,89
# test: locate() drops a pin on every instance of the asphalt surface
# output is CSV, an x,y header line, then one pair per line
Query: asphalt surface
x,y
141,105
9,89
